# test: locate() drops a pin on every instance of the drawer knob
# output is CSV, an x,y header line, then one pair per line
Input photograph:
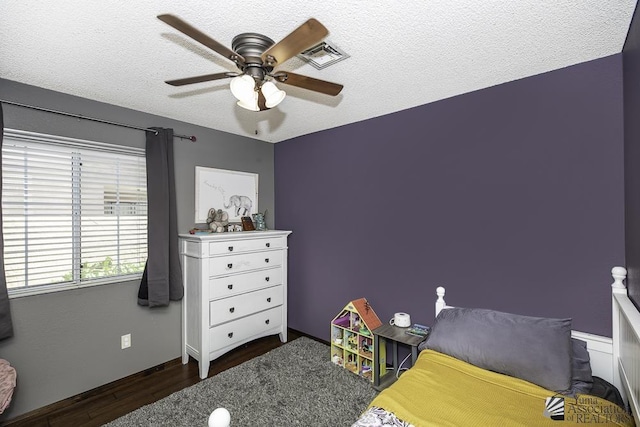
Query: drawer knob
x,y
266,321
230,334
268,245
230,248
230,265
269,299
266,260
229,286
266,278
232,309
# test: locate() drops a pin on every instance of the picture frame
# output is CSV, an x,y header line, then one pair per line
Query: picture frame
x,y
247,224
233,191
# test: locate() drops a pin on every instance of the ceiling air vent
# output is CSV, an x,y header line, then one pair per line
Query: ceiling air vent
x,y
323,55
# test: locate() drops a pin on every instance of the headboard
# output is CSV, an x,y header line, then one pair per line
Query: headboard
x,y
626,342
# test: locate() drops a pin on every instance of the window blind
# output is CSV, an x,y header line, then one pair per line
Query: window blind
x,y
74,211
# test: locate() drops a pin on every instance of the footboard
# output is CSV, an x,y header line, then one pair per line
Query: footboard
x,y
626,342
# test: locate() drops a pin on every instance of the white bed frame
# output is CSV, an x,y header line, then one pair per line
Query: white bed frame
x,y
626,342
616,359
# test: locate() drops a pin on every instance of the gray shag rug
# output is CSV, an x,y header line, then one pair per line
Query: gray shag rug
x,y
293,385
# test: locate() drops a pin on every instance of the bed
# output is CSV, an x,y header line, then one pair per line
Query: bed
x,y
505,369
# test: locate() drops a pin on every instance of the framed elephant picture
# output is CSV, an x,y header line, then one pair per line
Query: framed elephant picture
x,y
232,191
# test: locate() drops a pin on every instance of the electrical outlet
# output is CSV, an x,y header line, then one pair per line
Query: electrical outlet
x,y
125,341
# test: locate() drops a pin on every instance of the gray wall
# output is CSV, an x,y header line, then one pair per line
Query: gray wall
x,y
68,342
511,197
631,58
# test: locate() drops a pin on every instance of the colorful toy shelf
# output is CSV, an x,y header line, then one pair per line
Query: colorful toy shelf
x,y
352,339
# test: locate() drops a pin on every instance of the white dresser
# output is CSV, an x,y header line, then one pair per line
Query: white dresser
x,y
235,291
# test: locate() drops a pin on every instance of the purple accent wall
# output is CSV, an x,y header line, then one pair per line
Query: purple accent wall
x,y
511,197
631,67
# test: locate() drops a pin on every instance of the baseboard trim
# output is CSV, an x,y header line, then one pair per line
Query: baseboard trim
x,y
65,403
304,334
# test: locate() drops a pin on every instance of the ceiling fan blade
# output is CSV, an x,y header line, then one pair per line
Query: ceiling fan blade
x,y
201,37
305,36
309,83
199,79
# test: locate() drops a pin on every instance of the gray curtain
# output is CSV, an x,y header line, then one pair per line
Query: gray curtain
x,y
162,277
6,325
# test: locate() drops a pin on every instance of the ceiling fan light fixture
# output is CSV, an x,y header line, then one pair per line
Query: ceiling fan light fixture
x,y
250,103
272,95
243,88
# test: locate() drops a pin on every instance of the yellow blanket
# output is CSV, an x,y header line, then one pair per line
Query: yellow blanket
x,y
443,391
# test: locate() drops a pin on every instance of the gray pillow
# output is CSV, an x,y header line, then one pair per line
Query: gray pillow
x,y
581,375
534,349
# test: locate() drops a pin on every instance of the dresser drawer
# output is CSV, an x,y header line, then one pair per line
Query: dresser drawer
x,y
244,262
222,287
230,333
235,246
228,309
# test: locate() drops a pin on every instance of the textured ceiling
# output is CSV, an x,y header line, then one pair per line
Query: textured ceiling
x,y
402,54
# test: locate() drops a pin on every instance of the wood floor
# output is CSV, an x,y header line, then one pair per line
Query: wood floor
x,y
108,402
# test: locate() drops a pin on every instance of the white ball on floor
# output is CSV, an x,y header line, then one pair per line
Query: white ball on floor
x,y
220,418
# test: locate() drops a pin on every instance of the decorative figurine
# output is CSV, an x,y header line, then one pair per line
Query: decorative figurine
x,y
259,220
217,220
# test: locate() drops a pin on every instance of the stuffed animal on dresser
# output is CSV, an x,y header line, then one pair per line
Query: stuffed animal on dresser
x,y
217,220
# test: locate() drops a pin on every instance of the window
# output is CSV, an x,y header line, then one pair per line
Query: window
x,y
74,212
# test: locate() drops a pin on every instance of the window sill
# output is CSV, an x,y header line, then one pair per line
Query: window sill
x,y
59,287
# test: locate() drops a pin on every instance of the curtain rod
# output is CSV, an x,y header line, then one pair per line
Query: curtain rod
x,y
191,138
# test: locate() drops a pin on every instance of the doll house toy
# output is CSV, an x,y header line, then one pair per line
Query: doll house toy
x,y
352,341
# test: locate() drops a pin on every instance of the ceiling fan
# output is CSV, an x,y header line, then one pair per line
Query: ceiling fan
x,y
256,56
